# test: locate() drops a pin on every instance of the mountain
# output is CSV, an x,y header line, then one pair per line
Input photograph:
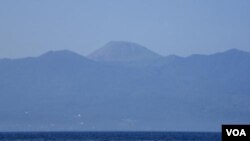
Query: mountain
x,y
123,52
66,55
61,90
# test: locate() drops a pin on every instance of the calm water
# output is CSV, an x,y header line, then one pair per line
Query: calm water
x,y
110,136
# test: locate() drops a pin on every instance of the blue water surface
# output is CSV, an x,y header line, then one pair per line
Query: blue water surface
x,y
110,136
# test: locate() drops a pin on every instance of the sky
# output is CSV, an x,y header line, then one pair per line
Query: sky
x,y
180,27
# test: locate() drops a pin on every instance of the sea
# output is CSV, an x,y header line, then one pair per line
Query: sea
x,y
110,136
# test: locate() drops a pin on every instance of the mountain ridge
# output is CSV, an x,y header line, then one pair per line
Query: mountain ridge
x,y
67,53
71,92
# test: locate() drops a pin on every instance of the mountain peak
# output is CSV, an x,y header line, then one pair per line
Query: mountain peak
x,y
122,51
234,50
63,55
122,44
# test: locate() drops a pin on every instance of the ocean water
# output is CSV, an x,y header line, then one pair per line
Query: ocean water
x,y
110,136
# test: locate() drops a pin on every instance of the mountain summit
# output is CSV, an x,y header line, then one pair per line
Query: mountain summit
x,y
124,52
61,54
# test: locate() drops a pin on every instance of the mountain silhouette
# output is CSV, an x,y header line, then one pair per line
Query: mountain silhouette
x,y
121,51
62,90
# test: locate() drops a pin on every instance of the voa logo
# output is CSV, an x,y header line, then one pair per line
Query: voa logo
x,y
236,132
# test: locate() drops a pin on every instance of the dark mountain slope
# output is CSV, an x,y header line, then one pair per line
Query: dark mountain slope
x,y
62,90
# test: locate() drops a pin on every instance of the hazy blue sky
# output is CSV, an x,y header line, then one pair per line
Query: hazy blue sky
x,y
181,27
